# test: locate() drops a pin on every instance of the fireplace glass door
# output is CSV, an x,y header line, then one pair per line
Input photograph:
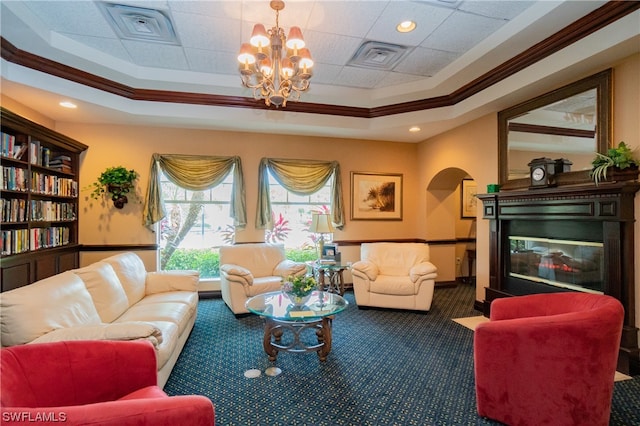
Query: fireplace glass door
x,y
575,265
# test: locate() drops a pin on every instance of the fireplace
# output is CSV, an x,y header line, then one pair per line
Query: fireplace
x,y
573,238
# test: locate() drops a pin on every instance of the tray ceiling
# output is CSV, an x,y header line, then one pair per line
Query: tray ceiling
x,y
189,47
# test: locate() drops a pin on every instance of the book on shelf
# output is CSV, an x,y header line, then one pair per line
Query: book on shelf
x,y
61,168
8,144
38,154
13,179
55,162
61,163
60,157
45,156
34,152
19,151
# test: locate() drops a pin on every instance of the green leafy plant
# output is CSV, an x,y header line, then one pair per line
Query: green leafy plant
x,y
117,182
620,157
304,254
206,261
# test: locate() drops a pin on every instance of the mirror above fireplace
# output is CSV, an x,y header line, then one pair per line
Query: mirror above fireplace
x,y
571,122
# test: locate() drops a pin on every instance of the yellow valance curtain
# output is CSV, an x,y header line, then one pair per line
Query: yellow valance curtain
x,y
195,173
302,177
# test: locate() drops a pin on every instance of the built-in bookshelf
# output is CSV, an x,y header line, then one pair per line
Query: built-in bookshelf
x,y
39,201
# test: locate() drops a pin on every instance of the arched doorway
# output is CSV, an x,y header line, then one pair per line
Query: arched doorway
x,y
452,234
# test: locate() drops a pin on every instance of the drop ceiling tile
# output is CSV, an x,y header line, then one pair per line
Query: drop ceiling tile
x,y
72,17
331,48
217,9
325,73
427,19
345,17
425,62
359,77
393,78
496,9
108,46
208,61
206,32
148,4
448,36
294,14
156,55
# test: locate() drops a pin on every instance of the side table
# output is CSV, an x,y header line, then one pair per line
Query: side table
x,y
334,274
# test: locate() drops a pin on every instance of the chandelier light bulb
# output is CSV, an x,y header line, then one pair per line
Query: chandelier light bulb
x,y
305,59
287,68
259,37
265,67
295,40
246,56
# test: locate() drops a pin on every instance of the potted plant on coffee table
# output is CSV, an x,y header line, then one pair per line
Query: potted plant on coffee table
x,y
299,288
117,182
619,161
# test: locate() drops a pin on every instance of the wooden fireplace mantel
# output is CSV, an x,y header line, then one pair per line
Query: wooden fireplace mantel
x,y
607,208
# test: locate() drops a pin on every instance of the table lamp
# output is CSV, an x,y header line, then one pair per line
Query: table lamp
x,y
320,224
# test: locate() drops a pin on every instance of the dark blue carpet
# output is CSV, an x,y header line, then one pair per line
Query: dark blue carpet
x,y
386,368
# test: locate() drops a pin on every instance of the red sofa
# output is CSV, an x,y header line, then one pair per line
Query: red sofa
x,y
548,359
91,383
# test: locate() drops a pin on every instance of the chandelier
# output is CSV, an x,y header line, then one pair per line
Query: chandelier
x,y
273,76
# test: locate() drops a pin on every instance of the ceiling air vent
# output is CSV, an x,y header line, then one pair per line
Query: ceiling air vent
x,y
139,23
378,55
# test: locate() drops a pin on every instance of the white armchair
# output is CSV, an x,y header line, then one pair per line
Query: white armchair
x,y
250,269
394,275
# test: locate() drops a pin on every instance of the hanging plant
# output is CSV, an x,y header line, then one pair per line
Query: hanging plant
x,y
116,182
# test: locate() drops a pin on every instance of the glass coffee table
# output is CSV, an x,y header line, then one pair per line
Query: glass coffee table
x,y
281,316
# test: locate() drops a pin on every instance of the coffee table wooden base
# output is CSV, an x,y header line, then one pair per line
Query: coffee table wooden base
x,y
274,329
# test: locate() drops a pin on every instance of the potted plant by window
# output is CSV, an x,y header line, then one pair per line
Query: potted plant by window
x,y
117,182
620,160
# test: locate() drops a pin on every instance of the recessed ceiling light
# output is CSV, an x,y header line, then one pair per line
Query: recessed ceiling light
x,y
414,129
406,26
68,104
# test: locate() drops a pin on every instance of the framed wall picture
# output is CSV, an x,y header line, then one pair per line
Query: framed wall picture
x,y
376,196
468,198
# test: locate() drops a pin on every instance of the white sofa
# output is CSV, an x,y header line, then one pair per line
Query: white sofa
x,y
394,275
113,299
250,269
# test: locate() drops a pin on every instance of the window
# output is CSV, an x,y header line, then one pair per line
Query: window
x,y
196,225
292,216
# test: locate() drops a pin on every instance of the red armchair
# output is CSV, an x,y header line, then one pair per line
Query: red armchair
x,y
91,383
548,359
